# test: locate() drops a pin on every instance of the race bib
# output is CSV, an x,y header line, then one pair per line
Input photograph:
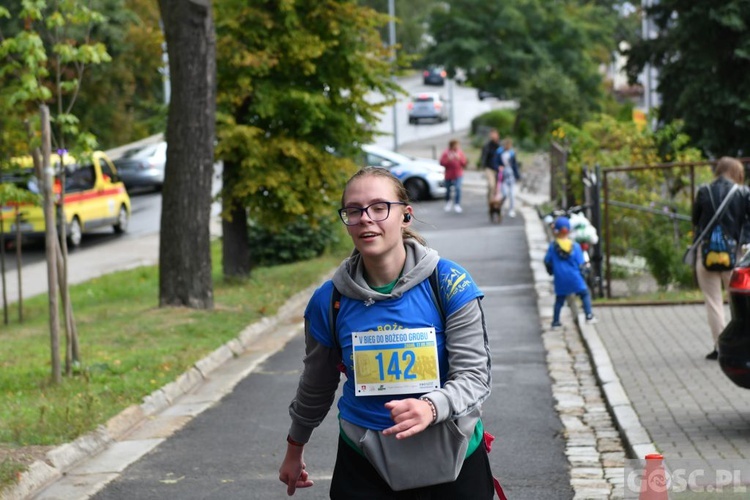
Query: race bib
x,y
395,362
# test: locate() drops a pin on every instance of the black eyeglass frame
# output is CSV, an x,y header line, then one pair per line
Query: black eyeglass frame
x,y
364,210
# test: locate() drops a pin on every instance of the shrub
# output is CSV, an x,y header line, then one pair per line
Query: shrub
x,y
298,241
664,257
500,119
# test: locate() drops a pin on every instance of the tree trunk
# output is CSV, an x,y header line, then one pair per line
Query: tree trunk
x,y
184,249
71,333
48,179
235,248
19,262
72,355
2,270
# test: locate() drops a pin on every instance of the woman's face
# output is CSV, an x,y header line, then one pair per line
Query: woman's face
x,y
371,238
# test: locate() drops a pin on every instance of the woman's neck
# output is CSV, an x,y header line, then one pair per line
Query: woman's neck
x,y
380,271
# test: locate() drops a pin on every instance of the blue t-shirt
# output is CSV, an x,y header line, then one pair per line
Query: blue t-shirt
x,y
414,309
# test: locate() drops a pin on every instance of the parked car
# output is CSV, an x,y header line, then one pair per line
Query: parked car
x,y
423,178
734,341
143,166
94,198
434,75
485,94
428,106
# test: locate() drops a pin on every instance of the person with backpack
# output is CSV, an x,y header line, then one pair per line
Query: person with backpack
x,y
723,238
406,328
564,261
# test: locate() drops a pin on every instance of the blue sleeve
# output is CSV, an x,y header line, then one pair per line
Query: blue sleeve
x,y
456,286
548,255
317,312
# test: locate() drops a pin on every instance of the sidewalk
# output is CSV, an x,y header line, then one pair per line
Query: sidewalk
x,y
639,375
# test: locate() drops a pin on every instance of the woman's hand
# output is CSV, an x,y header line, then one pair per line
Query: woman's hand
x,y
292,471
412,416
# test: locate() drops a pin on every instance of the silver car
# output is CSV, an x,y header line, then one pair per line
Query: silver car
x,y
423,178
143,166
428,106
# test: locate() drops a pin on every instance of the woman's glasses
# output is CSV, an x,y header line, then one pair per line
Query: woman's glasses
x,y
376,212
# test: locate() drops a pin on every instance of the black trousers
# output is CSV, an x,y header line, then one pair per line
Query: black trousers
x,y
355,478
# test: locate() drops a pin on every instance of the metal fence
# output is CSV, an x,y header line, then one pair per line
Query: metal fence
x,y
608,202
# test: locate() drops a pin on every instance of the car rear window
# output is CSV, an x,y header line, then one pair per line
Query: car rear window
x,y
423,99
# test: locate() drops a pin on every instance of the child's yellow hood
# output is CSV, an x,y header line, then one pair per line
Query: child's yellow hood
x,y
565,244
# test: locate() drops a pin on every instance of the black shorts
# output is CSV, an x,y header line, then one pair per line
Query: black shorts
x,y
355,478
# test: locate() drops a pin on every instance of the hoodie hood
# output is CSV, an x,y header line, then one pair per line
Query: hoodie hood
x,y
349,278
563,246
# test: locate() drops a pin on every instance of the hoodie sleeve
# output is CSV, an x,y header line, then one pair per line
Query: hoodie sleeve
x,y
469,364
316,390
444,158
320,376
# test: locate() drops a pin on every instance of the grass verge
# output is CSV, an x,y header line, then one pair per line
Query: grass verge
x,y
129,347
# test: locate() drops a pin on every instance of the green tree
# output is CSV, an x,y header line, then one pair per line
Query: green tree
x,y
545,54
124,100
296,79
702,54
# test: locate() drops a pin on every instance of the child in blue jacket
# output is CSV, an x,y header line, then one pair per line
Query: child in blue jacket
x,y
564,260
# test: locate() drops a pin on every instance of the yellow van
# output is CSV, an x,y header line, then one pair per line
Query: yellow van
x,y
94,197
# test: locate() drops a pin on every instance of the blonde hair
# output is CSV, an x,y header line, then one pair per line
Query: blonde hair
x,y
731,168
401,194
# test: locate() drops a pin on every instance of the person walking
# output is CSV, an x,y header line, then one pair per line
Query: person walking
x,y
564,260
507,156
734,218
454,161
409,335
487,162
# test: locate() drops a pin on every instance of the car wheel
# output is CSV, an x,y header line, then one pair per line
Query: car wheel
x,y
75,233
417,189
123,219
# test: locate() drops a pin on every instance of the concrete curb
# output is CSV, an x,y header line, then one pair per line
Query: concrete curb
x,y
65,457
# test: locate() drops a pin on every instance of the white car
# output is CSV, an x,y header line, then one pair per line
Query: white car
x,y
428,106
423,178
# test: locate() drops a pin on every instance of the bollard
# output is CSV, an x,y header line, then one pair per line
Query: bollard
x,y
654,481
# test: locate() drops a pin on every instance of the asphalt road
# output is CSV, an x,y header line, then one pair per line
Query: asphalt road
x,y
233,449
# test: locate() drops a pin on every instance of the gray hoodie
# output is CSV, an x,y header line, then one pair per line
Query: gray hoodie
x,y
469,373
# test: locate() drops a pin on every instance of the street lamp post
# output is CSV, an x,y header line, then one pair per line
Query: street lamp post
x,y
392,42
